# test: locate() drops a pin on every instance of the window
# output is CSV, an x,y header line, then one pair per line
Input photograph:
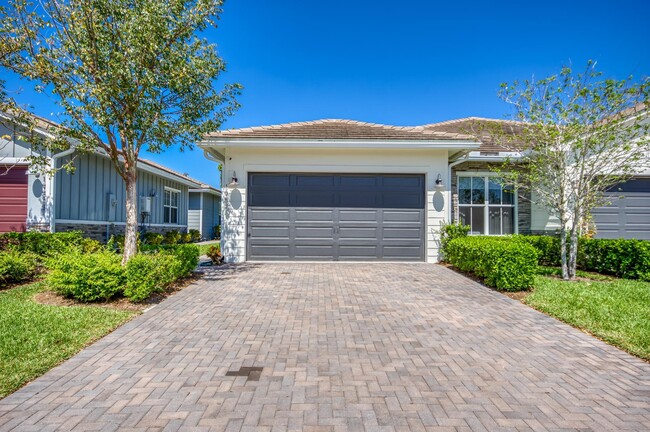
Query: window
x,y
486,205
170,206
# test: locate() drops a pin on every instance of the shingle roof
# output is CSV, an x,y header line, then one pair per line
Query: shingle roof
x,y
337,129
479,127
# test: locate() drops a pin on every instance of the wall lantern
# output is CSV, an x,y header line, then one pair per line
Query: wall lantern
x,y
439,184
233,181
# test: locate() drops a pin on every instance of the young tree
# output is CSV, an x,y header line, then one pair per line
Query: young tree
x,y
129,74
578,134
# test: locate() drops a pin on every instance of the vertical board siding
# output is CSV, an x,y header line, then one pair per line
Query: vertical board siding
x,y
82,195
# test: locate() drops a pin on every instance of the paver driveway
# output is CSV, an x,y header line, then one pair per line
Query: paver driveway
x,y
343,347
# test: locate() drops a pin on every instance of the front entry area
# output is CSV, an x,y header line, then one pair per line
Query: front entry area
x,y
336,217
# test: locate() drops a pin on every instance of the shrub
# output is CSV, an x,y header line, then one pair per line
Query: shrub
x,y
214,253
217,231
548,248
186,238
448,232
172,237
149,273
188,257
153,238
503,264
42,243
16,267
628,259
87,277
195,235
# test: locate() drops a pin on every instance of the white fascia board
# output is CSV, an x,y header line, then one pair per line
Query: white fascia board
x,y
345,144
205,190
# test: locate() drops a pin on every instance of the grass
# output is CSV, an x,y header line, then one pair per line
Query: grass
x,y
34,337
203,248
614,310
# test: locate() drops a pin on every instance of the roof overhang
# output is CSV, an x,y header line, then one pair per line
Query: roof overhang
x,y
437,144
206,190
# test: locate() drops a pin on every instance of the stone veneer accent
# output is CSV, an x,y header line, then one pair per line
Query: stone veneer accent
x,y
98,231
524,217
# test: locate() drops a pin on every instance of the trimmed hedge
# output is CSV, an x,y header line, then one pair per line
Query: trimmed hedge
x,y
627,259
43,243
16,267
87,277
502,264
149,273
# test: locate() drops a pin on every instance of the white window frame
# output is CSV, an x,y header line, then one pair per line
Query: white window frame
x,y
486,204
165,206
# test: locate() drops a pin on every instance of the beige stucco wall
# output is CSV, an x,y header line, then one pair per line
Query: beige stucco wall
x,y
380,161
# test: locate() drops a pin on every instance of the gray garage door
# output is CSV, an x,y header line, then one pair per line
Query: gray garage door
x,y
336,217
628,215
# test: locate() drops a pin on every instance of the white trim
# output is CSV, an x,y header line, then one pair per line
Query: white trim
x,y
205,190
171,189
200,215
352,169
332,143
96,222
13,161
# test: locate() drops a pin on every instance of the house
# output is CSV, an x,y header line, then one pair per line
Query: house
x,y
343,190
204,210
92,199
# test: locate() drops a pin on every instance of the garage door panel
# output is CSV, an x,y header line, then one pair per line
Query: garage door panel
x,y
628,214
13,198
313,232
321,228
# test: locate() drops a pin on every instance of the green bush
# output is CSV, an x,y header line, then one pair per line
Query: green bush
x,y
186,238
548,248
503,264
149,273
216,231
188,257
16,267
627,259
448,232
42,243
195,235
153,238
87,277
172,237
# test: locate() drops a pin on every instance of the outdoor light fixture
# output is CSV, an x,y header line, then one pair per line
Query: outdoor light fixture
x,y
439,183
233,181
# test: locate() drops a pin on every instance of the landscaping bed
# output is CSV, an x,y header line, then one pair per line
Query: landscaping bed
x,y
35,337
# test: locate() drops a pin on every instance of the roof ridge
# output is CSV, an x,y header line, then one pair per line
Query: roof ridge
x,y
321,121
454,121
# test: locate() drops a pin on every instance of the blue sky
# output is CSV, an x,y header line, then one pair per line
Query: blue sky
x,y
403,63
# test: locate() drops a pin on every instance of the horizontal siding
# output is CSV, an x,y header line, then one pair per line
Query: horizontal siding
x,y
194,220
83,195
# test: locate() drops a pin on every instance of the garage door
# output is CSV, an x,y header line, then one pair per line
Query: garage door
x,y
13,198
628,215
336,217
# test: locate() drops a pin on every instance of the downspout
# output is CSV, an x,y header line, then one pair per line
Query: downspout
x,y
53,185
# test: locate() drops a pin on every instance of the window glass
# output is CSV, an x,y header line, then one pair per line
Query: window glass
x,y
464,190
170,207
508,220
478,220
494,193
508,195
478,190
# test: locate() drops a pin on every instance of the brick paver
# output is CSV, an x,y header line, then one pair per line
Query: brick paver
x,y
375,347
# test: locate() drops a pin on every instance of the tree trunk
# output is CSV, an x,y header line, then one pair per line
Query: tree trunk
x,y
573,244
131,234
563,247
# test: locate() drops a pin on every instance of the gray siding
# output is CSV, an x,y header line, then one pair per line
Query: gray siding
x,y
14,147
83,195
210,214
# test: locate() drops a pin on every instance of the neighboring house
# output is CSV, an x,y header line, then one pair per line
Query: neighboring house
x,y
204,211
342,190
92,199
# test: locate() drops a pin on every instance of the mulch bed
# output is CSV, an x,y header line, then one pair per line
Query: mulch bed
x,y
53,299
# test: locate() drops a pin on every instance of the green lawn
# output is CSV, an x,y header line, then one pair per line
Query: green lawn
x,y
35,337
615,310
203,248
